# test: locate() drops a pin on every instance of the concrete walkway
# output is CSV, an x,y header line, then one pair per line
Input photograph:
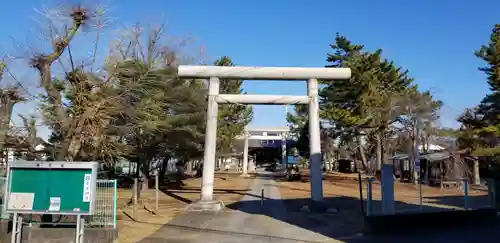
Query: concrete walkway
x,y
248,221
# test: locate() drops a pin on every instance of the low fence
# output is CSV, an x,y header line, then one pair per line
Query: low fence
x,y
105,204
414,198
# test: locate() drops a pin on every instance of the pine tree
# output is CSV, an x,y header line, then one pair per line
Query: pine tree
x,y
233,118
297,120
488,111
341,100
363,104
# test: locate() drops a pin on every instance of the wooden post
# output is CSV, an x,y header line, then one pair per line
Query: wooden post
x,y
466,193
362,206
369,197
262,197
134,193
157,191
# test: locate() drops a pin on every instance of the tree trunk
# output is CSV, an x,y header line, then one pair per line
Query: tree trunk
x,y
327,153
145,174
180,169
62,152
189,167
130,168
137,174
379,151
475,171
163,169
362,153
415,153
386,152
427,143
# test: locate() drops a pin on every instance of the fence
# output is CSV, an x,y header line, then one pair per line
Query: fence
x,y
105,204
409,197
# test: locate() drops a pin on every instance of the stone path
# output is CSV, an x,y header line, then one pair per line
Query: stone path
x,y
248,222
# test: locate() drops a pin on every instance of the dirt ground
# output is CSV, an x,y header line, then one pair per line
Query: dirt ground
x,y
346,186
341,192
173,199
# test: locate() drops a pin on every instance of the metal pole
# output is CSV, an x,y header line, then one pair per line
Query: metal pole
x,y
134,193
491,192
362,206
369,196
19,228
13,236
207,188
82,228
315,142
245,155
466,193
6,189
417,167
157,191
262,197
420,189
115,195
77,229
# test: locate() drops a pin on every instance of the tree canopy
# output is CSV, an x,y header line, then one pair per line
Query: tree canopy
x,y
365,111
233,118
480,128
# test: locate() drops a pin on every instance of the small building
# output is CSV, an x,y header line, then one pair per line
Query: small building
x,y
402,167
434,167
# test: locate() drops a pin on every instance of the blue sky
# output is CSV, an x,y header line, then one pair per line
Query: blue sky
x,y
435,40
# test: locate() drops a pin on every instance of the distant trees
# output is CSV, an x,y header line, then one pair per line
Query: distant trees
x,y
233,118
297,120
367,110
129,103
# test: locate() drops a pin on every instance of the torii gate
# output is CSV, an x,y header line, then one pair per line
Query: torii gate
x,y
215,73
283,131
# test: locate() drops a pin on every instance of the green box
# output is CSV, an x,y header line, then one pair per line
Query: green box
x,y
41,187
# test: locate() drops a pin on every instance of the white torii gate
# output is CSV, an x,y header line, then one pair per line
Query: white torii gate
x,y
214,73
246,136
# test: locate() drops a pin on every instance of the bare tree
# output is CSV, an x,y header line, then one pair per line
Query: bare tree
x,y
9,97
61,122
418,108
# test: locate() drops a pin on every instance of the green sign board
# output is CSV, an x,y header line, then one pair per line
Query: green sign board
x,y
46,187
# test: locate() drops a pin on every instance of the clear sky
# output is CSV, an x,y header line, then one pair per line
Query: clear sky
x,y
435,40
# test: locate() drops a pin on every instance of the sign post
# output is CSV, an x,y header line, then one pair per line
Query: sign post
x,y
417,163
58,188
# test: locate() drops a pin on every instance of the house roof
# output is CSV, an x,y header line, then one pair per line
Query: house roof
x,y
432,147
429,156
400,156
435,156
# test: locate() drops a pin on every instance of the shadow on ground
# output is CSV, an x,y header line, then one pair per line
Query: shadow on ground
x,y
175,188
347,224
174,193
